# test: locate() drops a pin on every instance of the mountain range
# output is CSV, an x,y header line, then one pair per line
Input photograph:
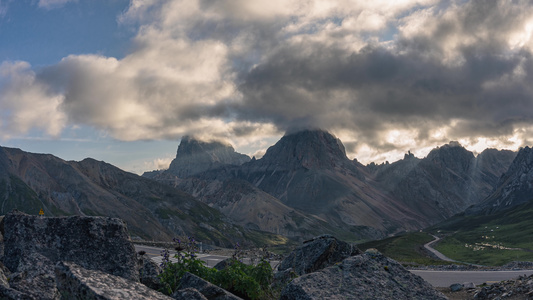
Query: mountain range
x,y
303,186
308,174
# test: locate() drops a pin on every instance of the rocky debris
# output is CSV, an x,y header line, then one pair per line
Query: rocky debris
x,y
456,287
518,265
469,285
521,288
188,294
95,243
366,276
209,290
317,253
75,282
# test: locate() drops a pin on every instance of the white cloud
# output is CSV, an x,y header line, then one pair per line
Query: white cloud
x,y
26,104
50,4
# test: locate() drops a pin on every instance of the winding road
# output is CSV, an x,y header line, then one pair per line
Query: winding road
x,y
434,251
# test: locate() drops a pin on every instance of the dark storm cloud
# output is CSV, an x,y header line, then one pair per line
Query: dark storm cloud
x,y
410,86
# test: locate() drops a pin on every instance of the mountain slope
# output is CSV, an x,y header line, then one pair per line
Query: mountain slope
x,y
446,182
151,209
514,188
309,172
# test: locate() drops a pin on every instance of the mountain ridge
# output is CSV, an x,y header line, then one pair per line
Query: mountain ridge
x,y
309,171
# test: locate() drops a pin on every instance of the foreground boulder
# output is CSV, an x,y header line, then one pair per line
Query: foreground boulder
x,y
33,245
207,289
95,243
316,254
367,276
75,282
149,273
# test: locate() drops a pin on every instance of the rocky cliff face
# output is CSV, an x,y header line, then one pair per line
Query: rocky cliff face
x,y
446,182
195,156
515,187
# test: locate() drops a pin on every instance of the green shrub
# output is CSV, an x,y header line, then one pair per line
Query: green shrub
x,y
247,281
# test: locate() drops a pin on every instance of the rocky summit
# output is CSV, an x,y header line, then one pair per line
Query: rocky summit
x,y
514,188
195,156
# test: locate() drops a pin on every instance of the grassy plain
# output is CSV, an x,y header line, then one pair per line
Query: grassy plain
x,y
492,240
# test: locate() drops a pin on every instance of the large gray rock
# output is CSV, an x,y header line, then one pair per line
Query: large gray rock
x,y
33,246
95,243
149,273
317,253
367,276
209,290
75,282
188,294
35,277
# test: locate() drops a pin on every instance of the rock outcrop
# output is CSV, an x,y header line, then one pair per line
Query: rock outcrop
x,y
207,289
70,258
75,282
316,254
95,243
366,276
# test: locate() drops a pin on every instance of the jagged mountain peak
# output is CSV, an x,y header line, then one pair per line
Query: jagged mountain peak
x,y
308,148
452,155
523,162
195,156
514,188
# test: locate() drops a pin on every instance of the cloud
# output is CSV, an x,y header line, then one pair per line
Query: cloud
x,y
3,9
51,4
26,104
385,76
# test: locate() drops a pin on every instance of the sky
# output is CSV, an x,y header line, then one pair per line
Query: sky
x,y
122,81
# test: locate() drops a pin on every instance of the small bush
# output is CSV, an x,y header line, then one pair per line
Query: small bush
x,y
247,281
